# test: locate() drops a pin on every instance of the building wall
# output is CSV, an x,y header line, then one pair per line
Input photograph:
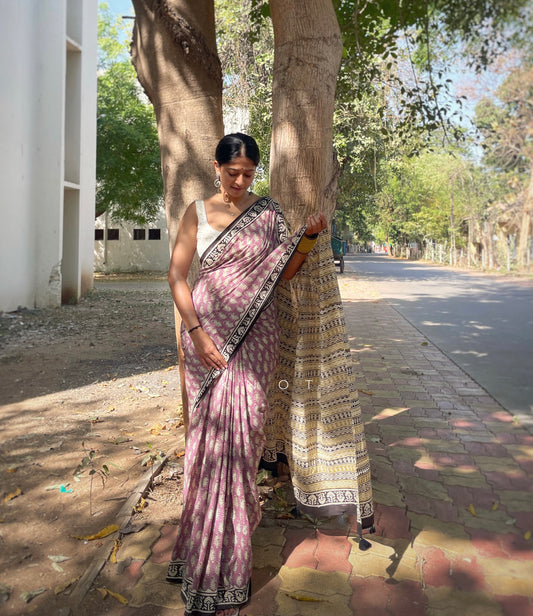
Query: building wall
x,y
128,254
47,150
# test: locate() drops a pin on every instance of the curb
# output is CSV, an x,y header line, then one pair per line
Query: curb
x,y
123,518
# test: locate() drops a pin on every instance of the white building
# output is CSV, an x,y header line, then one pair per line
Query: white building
x,y
122,247
48,51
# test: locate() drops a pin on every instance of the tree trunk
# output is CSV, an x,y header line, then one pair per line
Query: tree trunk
x,y
307,54
315,363
524,235
174,53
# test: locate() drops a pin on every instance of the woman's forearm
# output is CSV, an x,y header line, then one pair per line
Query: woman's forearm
x,y
181,294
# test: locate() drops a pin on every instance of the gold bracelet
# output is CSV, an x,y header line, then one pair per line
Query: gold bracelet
x,y
306,244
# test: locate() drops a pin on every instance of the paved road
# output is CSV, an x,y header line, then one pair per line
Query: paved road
x,y
483,323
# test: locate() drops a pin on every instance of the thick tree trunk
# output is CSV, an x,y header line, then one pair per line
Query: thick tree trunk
x,y
524,235
175,56
308,51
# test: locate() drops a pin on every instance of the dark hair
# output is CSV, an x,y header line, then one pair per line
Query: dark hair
x,y
237,144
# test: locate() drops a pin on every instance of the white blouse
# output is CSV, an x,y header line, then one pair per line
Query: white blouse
x,y
206,233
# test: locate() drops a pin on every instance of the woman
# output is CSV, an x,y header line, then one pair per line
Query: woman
x,y
230,339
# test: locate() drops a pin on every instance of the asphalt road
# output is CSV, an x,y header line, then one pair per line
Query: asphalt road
x,y
484,323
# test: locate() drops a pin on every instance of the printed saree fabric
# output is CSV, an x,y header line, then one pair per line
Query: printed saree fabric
x,y
233,298
314,423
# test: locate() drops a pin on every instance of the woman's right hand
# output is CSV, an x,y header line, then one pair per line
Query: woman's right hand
x,y
207,350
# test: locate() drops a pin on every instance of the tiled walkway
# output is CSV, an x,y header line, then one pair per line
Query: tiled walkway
x,y
453,495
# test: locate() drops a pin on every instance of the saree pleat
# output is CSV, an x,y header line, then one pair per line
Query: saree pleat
x,y
212,557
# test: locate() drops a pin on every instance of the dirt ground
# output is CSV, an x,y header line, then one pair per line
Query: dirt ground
x,y
93,385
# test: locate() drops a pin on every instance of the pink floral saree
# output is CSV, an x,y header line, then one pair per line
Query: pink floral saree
x,y
233,293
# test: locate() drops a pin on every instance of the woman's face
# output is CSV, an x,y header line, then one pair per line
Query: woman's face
x,y
236,176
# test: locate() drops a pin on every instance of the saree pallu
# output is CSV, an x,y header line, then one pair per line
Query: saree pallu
x,y
314,424
233,297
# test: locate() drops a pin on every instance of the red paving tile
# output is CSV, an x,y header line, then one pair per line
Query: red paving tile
x,y
436,568
461,496
300,547
392,522
133,572
407,599
162,549
265,585
332,552
516,606
467,575
486,543
445,511
371,596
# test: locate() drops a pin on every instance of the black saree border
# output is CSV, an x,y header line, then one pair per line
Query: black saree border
x,y
206,602
220,243
264,294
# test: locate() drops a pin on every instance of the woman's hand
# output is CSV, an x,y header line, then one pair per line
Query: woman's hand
x,y
207,351
315,224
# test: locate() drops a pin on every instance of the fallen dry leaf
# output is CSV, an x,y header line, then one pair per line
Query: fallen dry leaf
x,y
62,587
116,547
140,506
305,598
31,594
472,509
12,495
108,530
105,591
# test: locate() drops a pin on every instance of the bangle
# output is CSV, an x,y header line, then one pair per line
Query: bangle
x,y
193,328
306,244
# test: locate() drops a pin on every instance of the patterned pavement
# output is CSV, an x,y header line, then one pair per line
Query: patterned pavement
x,y
452,490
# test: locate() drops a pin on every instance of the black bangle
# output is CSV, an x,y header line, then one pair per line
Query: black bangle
x,y
311,237
193,328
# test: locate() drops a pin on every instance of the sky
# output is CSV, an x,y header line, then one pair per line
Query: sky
x,y
120,7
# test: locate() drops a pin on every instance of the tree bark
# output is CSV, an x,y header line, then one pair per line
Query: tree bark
x,y
307,55
174,53
524,234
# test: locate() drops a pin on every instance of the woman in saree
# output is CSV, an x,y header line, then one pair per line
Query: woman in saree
x,y
230,340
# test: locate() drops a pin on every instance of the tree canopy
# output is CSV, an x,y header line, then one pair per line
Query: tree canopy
x,y
128,170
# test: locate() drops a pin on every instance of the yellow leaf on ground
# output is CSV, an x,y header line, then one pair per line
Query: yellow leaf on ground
x,y
118,597
527,535
13,495
471,509
140,505
304,598
495,506
108,530
365,391
62,587
113,556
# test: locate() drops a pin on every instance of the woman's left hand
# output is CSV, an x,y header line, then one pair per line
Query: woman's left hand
x,y
315,224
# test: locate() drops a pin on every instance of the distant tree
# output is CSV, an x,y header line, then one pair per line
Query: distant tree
x,y
507,125
129,185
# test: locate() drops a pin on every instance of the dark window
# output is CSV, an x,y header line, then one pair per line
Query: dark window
x,y
154,234
98,234
139,234
112,234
